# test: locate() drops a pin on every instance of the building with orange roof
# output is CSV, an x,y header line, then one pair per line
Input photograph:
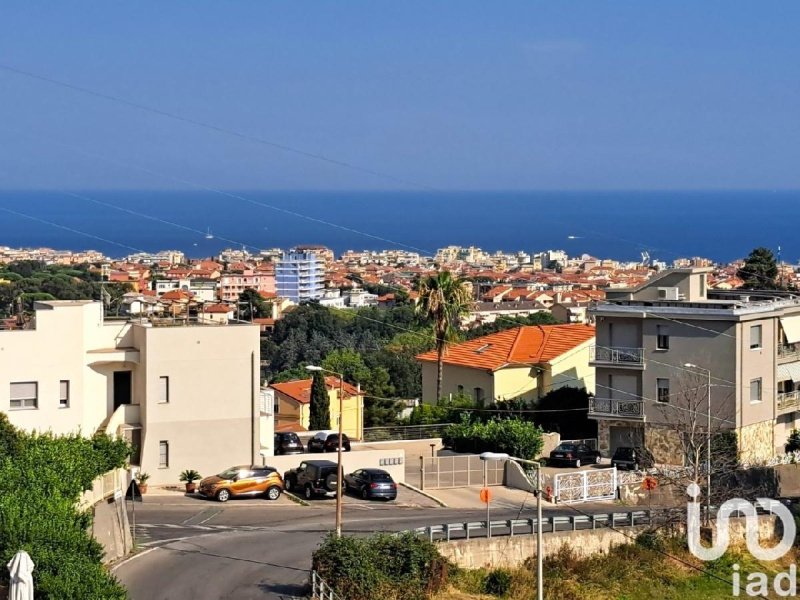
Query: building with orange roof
x,y
522,363
293,405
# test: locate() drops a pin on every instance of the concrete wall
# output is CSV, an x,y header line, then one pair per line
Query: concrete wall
x,y
510,552
351,461
571,369
111,528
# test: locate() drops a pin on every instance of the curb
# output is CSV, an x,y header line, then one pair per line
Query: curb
x,y
125,561
295,499
426,494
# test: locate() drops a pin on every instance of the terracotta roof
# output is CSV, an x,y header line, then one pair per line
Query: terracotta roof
x,y
178,295
300,389
534,344
218,308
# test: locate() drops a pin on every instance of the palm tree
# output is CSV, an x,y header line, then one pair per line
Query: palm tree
x,y
443,300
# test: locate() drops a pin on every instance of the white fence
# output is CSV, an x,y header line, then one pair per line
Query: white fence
x,y
103,487
404,432
583,486
459,470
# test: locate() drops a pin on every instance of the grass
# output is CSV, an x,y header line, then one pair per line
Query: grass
x,y
629,572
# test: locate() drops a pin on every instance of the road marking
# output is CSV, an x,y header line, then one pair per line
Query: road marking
x,y
209,518
132,558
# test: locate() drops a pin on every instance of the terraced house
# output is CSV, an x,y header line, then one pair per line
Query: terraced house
x,y
657,344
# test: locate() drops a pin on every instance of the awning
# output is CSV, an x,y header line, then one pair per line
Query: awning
x,y
789,371
791,329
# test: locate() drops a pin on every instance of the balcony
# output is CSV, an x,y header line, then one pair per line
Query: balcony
x,y
606,408
788,402
627,358
788,353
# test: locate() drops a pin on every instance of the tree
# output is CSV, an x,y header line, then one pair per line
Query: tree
x,y
320,413
253,306
443,300
760,270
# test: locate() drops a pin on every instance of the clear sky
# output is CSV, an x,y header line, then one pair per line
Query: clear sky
x,y
450,94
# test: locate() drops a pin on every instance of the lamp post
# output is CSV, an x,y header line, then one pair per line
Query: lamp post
x,y
539,546
340,474
708,439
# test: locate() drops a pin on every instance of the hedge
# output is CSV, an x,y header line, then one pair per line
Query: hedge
x,y
41,479
511,436
381,567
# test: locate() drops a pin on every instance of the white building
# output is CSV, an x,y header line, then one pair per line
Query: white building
x,y
186,396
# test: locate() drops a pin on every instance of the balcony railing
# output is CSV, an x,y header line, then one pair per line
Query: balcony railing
x,y
610,407
789,352
788,401
617,355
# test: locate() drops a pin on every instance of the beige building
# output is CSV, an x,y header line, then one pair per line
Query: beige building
x,y
522,363
185,395
748,339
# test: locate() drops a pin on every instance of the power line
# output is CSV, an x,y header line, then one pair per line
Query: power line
x,y
216,128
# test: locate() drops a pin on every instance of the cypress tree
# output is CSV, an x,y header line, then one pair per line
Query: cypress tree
x,y
320,414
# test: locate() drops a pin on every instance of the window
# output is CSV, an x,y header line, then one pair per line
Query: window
x,y
63,397
662,337
662,390
163,454
163,389
25,394
479,396
755,390
755,337
460,389
276,406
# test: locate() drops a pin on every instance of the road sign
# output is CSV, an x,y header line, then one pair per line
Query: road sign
x,y
486,495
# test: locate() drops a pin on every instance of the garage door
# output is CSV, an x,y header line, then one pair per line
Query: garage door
x,y
626,436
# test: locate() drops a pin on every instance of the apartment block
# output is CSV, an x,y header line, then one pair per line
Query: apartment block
x,y
185,395
300,276
748,340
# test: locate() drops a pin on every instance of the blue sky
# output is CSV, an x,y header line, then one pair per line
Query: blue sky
x,y
452,95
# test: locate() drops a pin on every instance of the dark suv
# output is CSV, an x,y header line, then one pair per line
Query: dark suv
x,y
627,457
312,478
288,443
325,441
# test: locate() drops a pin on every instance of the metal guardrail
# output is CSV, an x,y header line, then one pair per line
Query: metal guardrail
x,y
618,408
788,400
512,527
404,432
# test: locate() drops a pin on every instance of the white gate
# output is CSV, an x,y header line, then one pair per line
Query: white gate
x,y
583,486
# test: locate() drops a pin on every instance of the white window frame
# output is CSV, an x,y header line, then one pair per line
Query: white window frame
x,y
163,454
63,398
760,389
163,389
760,344
25,402
660,387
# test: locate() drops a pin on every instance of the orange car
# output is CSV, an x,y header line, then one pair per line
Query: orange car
x,y
245,480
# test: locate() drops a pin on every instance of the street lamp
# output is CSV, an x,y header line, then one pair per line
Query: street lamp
x,y
340,474
539,558
708,439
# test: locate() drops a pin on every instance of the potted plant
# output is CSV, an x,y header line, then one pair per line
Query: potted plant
x,y
190,476
141,480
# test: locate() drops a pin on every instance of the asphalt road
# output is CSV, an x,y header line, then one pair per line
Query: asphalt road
x,y
248,549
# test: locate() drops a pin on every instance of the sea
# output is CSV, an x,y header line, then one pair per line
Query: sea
x,y
721,225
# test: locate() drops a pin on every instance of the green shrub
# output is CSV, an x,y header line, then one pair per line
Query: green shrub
x,y
793,443
516,438
497,582
381,566
41,479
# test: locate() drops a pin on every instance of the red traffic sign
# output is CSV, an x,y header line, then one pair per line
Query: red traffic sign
x,y
486,495
649,483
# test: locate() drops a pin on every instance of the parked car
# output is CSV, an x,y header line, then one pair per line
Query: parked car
x,y
312,478
287,443
628,457
326,441
244,480
371,483
574,455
